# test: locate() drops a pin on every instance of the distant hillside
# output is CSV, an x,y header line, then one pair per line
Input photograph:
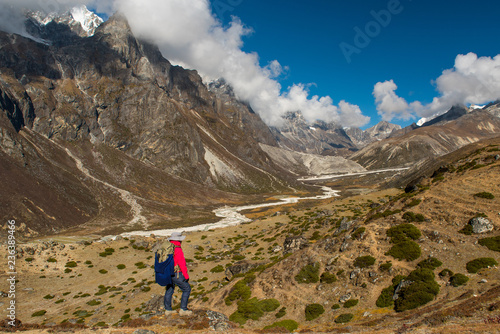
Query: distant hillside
x,y
429,141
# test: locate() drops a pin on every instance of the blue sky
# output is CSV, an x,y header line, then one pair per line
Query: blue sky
x,y
422,39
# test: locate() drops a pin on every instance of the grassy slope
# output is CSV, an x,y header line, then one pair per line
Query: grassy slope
x,y
446,202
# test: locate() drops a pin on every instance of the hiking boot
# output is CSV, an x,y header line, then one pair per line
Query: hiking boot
x,y
169,312
185,312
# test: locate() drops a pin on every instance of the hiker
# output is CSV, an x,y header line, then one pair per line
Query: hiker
x,y
181,277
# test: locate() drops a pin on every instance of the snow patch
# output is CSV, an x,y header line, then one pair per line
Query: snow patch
x,y
87,19
221,170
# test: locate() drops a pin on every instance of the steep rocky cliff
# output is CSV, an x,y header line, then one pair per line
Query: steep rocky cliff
x,y
101,112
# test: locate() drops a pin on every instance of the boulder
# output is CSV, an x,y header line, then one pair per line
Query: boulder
x,y
154,304
345,225
345,297
481,225
345,245
295,243
218,321
241,267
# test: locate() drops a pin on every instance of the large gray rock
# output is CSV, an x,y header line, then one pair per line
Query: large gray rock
x,y
481,225
218,321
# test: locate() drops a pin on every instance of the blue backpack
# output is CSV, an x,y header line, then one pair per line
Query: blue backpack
x,y
165,270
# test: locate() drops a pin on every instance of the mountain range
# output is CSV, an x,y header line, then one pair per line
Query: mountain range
x,y
97,128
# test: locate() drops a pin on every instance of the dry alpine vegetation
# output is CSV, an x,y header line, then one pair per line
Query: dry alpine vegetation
x,y
384,261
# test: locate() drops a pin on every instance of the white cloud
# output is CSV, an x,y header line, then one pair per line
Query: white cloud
x,y
189,35
472,80
389,104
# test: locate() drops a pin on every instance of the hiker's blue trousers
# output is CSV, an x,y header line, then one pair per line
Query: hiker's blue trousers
x,y
183,284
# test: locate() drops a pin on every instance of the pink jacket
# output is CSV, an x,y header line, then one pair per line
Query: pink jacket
x,y
179,259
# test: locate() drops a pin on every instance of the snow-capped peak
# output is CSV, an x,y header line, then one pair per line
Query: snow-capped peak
x,y
423,120
78,16
87,19
475,107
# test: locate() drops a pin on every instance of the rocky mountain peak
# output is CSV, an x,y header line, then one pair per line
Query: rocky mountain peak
x,y
79,21
454,113
220,87
382,130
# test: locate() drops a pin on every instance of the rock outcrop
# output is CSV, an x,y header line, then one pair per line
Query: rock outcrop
x,y
481,225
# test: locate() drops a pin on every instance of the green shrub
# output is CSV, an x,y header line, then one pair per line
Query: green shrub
x,y
240,291
351,303
358,233
458,280
238,318
109,251
384,214
268,305
409,216
140,265
121,266
419,217
217,269
484,262
385,298
51,259
250,309
446,272
308,274
335,306
59,301
492,243
28,259
406,250
289,325
238,257
344,318
103,271
423,290
328,278
94,302
430,263
316,236
412,300
484,194
281,313
414,202
364,261
403,232
386,266
49,296
313,311
467,230
71,264
67,270
39,313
